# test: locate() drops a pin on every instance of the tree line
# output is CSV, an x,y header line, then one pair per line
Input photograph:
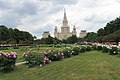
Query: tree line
x,y
14,36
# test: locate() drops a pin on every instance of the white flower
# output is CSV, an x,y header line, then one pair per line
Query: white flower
x,y
41,65
114,52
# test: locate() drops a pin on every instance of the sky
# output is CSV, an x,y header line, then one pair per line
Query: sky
x,y
37,16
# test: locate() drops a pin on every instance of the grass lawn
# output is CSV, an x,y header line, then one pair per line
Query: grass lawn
x,y
88,66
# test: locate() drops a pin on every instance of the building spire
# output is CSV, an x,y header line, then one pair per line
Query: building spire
x,y
65,21
64,13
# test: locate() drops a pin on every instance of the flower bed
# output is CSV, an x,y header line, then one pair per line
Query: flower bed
x,y
7,61
107,49
34,58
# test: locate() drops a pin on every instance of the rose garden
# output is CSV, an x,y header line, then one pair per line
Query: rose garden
x,y
41,59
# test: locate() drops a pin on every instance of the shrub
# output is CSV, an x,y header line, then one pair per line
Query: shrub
x,y
88,48
7,61
33,59
82,49
54,56
99,48
16,47
67,53
114,50
3,48
105,49
76,51
94,47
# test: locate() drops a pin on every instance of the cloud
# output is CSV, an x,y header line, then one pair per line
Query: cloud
x,y
62,2
26,7
37,16
3,5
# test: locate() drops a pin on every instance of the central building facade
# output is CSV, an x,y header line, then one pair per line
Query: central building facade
x,y
65,29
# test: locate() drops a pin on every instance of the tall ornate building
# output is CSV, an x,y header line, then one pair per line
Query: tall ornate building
x,y
65,29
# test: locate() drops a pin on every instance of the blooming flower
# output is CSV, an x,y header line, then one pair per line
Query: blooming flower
x,y
55,55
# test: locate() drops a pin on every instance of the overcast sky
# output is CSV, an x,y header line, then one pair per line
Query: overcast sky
x,y
37,16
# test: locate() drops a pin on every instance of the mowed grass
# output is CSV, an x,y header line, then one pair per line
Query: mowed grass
x,y
87,66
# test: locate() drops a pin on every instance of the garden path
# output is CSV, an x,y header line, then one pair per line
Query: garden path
x,y
20,63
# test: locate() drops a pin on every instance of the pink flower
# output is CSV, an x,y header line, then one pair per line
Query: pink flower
x,y
15,53
46,59
55,55
50,60
14,56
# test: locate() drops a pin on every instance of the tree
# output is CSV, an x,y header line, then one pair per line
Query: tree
x,y
112,26
56,40
9,35
91,37
114,37
48,40
101,32
72,39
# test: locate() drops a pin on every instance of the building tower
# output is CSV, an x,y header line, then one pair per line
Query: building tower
x,y
65,27
83,33
55,32
74,31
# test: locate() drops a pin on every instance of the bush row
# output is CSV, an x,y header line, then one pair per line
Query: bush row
x,y
34,58
110,50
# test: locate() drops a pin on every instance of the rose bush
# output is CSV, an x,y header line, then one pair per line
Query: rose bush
x,y
34,58
7,61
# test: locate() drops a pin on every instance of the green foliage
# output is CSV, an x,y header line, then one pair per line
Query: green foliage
x,y
114,37
13,36
67,52
105,49
99,48
111,32
88,48
101,32
54,55
7,61
91,37
94,47
72,39
76,50
34,59
4,48
48,40
114,50
82,49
